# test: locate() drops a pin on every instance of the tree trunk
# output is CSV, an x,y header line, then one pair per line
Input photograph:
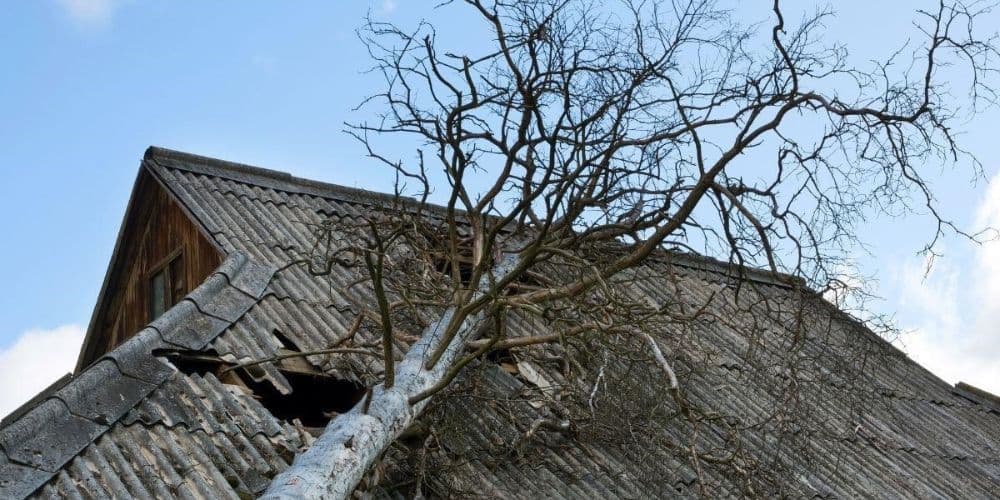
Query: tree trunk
x,y
337,461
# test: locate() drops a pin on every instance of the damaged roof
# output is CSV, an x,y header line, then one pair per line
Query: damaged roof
x,y
145,421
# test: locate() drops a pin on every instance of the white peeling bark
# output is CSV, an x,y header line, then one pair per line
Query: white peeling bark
x,y
661,360
337,461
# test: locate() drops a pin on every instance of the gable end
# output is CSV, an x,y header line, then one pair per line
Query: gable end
x,y
158,236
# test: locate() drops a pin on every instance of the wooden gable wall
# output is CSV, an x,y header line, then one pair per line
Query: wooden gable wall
x,y
155,230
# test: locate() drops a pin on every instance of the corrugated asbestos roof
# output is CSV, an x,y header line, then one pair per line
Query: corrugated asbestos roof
x,y
867,421
124,426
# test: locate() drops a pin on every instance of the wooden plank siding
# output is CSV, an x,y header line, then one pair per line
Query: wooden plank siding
x,y
156,229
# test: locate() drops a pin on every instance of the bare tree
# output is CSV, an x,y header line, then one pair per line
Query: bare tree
x,y
586,139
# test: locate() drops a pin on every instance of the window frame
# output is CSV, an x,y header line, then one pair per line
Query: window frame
x,y
164,266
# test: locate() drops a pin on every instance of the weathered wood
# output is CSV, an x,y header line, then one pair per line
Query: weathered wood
x,y
156,229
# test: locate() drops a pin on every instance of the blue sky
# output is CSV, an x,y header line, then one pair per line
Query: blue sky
x,y
89,84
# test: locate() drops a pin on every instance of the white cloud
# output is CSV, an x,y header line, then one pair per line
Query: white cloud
x,y
35,360
388,7
954,312
90,14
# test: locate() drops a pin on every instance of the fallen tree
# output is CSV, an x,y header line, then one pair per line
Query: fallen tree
x,y
585,139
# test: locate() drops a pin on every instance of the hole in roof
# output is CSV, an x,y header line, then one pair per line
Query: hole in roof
x,y
285,342
442,263
198,363
314,400
444,260
504,358
501,356
444,266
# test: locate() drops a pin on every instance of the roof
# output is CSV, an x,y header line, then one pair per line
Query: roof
x,y
864,421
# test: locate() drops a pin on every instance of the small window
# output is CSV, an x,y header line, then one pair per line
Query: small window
x,y
157,294
166,286
177,285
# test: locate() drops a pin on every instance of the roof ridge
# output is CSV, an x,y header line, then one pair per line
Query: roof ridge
x,y
979,396
263,177
156,153
40,440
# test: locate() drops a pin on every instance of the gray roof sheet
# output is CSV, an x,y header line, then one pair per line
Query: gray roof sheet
x,y
48,439
132,425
